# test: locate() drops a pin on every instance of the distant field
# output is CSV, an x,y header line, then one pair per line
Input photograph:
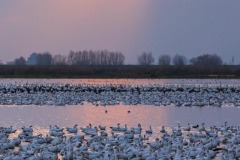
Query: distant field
x,y
125,71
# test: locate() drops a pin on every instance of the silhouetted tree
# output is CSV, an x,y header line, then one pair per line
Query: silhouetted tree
x,y
20,61
44,58
70,58
207,60
164,60
146,59
120,58
59,60
102,57
92,58
32,59
179,60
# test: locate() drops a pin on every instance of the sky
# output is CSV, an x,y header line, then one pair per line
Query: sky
x,y
186,27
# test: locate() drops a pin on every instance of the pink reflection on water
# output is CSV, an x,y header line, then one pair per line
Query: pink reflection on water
x,y
42,116
119,114
125,81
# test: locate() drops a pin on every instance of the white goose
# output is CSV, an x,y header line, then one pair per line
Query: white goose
x,y
56,133
57,140
162,130
27,129
101,127
155,145
201,128
73,130
116,128
9,130
55,128
137,130
188,128
123,129
149,131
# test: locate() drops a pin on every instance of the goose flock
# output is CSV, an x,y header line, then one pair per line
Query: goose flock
x,y
61,95
121,141
117,142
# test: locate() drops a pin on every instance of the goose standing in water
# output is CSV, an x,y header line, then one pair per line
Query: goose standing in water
x,y
188,128
162,130
137,130
9,130
201,128
101,127
149,131
73,130
87,128
27,129
123,129
55,128
155,145
116,128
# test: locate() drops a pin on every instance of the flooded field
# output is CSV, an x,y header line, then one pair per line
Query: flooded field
x,y
44,115
144,118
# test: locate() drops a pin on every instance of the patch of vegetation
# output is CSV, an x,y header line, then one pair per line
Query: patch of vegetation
x,y
123,71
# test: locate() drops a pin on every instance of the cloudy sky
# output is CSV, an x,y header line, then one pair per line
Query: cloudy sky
x,y
187,27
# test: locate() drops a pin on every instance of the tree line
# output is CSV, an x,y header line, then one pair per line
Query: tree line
x,y
105,57
102,57
146,58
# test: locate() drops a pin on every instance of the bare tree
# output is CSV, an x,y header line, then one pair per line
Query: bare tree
x,y
101,57
59,60
71,57
120,58
92,58
85,58
113,58
44,59
20,61
207,60
32,59
104,57
179,60
116,58
164,60
146,58
78,58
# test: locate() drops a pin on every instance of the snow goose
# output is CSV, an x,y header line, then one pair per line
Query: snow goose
x,y
162,130
56,133
155,145
149,131
101,127
123,129
188,128
27,129
55,128
73,130
9,130
116,128
201,128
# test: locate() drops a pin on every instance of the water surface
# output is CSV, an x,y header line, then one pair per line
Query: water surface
x,y
157,116
229,82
